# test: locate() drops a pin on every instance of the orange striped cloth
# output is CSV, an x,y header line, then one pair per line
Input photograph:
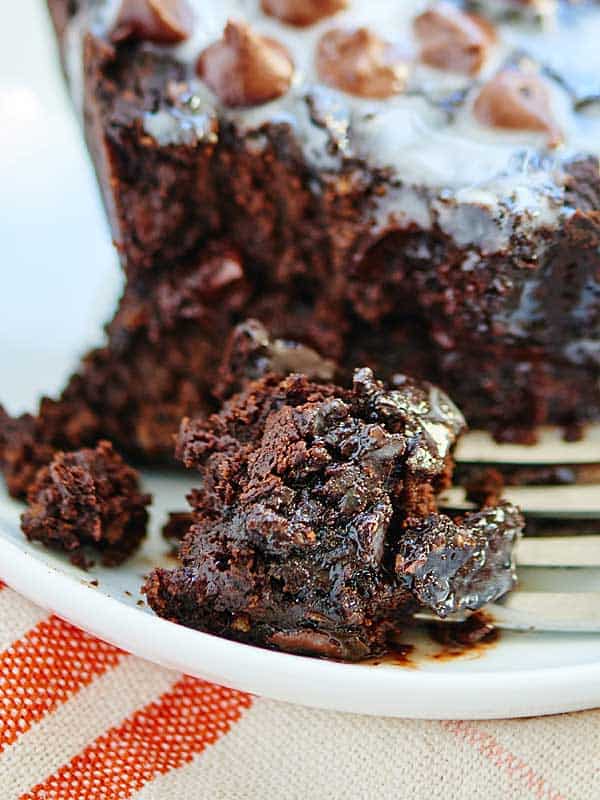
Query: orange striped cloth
x,y
81,720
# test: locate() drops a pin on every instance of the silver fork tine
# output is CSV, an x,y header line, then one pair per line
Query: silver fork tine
x,y
577,612
559,551
552,501
551,611
546,600
479,447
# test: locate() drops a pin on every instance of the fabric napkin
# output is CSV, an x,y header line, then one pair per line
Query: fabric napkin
x,y
82,720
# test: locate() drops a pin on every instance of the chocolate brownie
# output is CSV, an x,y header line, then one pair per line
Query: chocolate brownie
x,y
87,497
315,528
410,186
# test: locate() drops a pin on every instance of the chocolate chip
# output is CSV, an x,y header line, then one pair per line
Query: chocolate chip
x,y
244,68
453,40
517,100
159,21
302,12
360,63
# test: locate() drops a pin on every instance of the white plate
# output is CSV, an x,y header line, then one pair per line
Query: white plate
x,y
522,675
59,279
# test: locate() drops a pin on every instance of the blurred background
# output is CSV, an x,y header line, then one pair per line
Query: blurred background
x,y
58,267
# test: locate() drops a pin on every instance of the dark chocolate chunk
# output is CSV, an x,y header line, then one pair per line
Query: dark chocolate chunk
x,y
455,566
251,353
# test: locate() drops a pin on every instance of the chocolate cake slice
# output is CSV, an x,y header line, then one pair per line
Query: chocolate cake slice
x,y
315,527
414,186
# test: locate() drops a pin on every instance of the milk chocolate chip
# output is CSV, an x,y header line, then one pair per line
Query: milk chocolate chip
x,y
159,21
453,40
302,12
517,100
245,69
359,62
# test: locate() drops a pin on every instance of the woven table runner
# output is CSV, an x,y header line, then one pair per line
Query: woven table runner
x,y
82,720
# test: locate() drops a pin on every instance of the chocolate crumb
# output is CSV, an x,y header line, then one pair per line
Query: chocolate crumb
x,y
89,497
484,487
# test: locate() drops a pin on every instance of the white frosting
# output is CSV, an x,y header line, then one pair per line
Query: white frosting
x,y
472,224
98,15
543,10
568,46
168,127
518,321
583,351
400,206
73,45
476,187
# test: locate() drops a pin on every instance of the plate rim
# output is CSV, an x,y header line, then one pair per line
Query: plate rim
x,y
298,679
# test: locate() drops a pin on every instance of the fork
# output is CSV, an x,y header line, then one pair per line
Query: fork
x,y
558,560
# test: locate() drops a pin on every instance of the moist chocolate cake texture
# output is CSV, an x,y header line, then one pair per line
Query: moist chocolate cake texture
x,y
413,186
88,497
315,529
